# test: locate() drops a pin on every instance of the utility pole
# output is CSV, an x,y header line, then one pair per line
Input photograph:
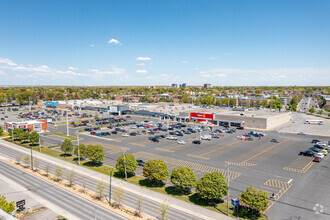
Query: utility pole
x,y
67,124
31,159
78,148
227,165
39,142
125,165
12,133
111,170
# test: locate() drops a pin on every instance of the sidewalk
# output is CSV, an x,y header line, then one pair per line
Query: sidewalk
x,y
194,210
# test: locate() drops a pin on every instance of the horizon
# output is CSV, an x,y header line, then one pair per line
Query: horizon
x,y
110,43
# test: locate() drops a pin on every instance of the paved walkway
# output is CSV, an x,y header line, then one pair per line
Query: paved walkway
x,y
194,210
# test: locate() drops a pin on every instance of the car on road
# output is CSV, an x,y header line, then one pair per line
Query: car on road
x,y
317,159
181,142
275,141
307,153
196,142
171,138
140,162
301,133
314,141
125,135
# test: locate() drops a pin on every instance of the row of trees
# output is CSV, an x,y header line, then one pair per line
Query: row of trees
x,y
93,152
22,135
210,186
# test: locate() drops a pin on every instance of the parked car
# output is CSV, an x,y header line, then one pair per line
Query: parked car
x,y
307,153
154,139
196,142
317,159
206,137
181,142
301,133
132,134
320,155
274,140
325,152
99,134
314,141
171,138
114,132
125,135
315,149
140,162
214,136
249,139
93,133
240,128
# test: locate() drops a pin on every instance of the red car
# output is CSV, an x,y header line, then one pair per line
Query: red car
x,y
240,128
93,133
317,159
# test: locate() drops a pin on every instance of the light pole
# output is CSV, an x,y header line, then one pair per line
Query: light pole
x,y
125,165
227,165
12,133
31,159
78,148
110,193
39,142
67,124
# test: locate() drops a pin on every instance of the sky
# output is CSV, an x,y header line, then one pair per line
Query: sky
x,y
153,42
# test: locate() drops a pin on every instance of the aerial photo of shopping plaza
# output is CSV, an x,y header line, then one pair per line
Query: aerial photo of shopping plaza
x,y
177,110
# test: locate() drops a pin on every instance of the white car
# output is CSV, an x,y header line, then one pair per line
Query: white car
x,y
181,142
133,127
320,155
125,135
171,138
206,137
321,144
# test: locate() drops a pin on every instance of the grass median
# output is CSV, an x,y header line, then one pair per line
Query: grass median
x,y
72,138
217,206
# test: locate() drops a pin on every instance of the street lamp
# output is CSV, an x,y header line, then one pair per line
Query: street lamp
x,y
227,165
125,165
78,148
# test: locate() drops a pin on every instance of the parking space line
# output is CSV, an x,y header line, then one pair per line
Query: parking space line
x,y
138,144
299,165
194,166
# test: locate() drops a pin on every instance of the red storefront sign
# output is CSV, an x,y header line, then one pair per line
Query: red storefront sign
x,y
201,116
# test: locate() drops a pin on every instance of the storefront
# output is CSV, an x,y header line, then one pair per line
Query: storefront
x,y
201,117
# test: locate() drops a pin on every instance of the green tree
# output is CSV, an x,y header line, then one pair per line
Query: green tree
x,y
212,186
155,170
17,132
8,207
255,199
95,153
312,110
66,146
1,130
24,136
131,164
183,177
34,137
82,150
320,112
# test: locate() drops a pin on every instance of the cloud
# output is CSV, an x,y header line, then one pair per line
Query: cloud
x,y
212,58
114,41
72,68
143,58
7,62
2,73
114,70
184,62
141,64
142,71
92,45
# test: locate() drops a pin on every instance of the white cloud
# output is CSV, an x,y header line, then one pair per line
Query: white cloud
x,y
143,58
142,71
72,68
184,62
2,73
141,64
113,71
212,58
92,45
7,62
114,41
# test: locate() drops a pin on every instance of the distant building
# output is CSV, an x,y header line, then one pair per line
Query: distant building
x,y
174,85
36,125
285,100
184,85
207,85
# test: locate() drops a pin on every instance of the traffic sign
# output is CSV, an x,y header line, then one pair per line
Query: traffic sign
x,y
20,203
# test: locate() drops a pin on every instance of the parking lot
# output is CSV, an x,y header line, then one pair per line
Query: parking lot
x,y
273,167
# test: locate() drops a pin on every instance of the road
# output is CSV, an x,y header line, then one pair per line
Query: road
x,y
150,207
77,206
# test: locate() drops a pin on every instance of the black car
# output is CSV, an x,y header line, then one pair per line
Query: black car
x,y
315,149
132,134
196,142
318,146
140,162
314,141
114,132
154,139
274,140
87,129
249,139
307,153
